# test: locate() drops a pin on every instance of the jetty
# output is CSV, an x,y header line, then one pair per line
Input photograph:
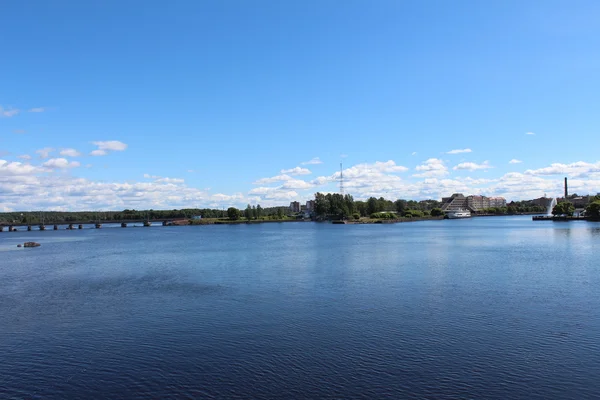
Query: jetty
x,y
557,218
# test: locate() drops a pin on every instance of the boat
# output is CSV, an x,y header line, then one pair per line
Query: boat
x,y
455,214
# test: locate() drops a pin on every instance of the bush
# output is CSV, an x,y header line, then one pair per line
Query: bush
x,y
356,216
593,210
412,214
564,208
437,212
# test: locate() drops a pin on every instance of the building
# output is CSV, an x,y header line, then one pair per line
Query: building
x,y
542,201
474,203
310,206
577,201
295,207
478,203
454,203
497,202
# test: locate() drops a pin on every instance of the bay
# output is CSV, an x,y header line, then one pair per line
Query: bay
x,y
498,307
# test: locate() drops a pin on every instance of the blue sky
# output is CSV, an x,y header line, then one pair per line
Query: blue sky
x,y
198,104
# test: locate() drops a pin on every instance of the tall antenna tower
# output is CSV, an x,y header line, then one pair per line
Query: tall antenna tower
x,y
341,180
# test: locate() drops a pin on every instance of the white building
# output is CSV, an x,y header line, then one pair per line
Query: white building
x,y
497,202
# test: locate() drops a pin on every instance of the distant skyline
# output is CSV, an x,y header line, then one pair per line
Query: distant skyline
x,y
118,105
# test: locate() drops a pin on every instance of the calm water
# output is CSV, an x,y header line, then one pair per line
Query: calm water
x,y
482,308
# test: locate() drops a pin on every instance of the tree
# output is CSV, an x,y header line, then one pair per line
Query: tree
x,y
280,212
372,206
593,209
400,206
563,208
254,215
321,204
361,208
233,213
248,213
259,211
437,212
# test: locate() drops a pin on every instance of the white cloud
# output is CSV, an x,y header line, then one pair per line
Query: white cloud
x,y
414,153
37,109
315,160
297,184
60,163
529,133
220,197
262,190
45,152
191,171
107,146
64,192
282,195
471,166
171,180
162,179
296,171
278,178
8,112
515,161
366,169
70,153
322,180
365,178
16,168
36,187
433,167
576,169
25,157
460,151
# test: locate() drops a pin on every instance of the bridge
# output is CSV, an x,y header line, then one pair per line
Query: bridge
x,y
13,227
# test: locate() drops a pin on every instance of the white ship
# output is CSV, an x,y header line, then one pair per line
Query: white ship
x,y
455,214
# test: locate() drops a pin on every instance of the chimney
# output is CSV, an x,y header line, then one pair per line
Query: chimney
x,y
566,189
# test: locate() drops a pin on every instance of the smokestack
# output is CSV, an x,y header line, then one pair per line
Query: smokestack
x,y
566,189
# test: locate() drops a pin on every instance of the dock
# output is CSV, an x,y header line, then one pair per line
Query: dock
x,y
556,218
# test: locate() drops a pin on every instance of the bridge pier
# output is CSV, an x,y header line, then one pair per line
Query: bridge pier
x,y
164,223
80,226
12,229
70,227
1,229
55,227
28,228
147,223
123,224
42,227
98,226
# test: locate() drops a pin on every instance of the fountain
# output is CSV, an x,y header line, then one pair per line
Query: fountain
x,y
551,206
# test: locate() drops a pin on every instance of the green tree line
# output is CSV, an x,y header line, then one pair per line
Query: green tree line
x,y
337,206
60,217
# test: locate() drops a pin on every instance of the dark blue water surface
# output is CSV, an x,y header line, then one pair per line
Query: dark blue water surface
x,y
494,308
